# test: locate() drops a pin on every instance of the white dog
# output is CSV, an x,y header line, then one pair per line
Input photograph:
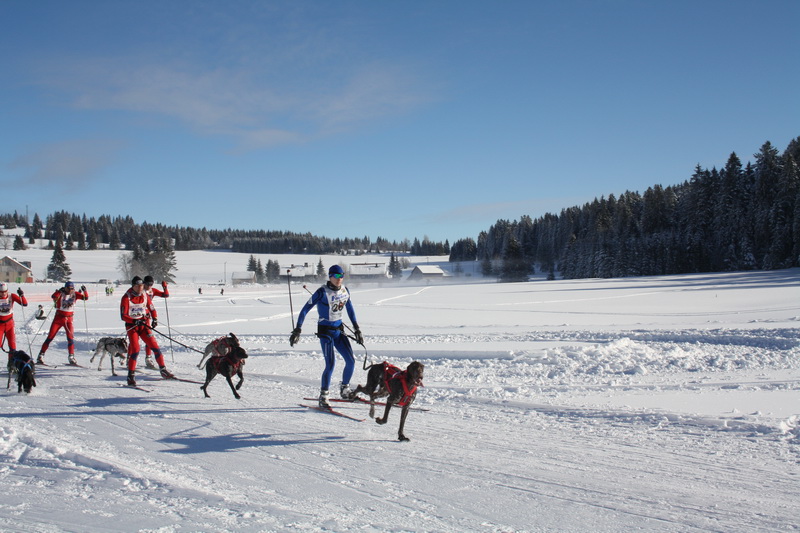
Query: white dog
x,y
111,346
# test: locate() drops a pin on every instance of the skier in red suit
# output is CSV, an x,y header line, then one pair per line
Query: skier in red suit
x,y
64,300
7,301
136,309
148,287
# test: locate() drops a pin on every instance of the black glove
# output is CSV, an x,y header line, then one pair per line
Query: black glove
x,y
154,324
294,337
83,289
139,322
19,291
359,336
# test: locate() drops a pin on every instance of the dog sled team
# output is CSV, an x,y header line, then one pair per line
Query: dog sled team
x,y
224,355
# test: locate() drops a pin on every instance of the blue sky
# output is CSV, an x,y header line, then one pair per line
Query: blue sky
x,y
385,119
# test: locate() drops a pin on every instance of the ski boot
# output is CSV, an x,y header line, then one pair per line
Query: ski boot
x,y
345,392
323,399
166,374
131,378
72,359
40,359
149,363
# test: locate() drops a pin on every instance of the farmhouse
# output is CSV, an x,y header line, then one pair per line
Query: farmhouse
x,y
304,272
15,271
366,271
239,278
426,272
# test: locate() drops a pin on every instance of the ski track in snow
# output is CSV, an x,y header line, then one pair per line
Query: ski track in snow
x,y
549,429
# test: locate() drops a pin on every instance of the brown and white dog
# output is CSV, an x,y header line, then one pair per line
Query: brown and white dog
x,y
400,387
228,365
113,346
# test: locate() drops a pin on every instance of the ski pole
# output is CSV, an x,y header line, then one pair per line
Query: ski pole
x,y
25,321
291,308
30,349
86,319
171,352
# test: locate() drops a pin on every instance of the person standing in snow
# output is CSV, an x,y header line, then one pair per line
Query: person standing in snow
x,y
331,300
7,301
136,308
64,300
164,293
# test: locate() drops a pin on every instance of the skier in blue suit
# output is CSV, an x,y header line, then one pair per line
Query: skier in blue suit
x,y
332,299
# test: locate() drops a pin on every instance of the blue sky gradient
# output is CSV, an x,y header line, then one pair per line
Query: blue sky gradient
x,y
385,119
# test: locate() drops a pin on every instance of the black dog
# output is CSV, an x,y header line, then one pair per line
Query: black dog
x,y
22,365
400,387
227,365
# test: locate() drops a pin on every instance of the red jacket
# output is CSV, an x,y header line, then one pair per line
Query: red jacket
x,y
7,304
65,302
135,307
156,292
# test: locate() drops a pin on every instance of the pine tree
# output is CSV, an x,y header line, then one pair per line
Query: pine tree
x,y
395,270
19,243
321,274
486,267
515,267
273,271
260,274
59,269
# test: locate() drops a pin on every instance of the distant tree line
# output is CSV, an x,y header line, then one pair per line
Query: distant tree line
x,y
87,233
740,217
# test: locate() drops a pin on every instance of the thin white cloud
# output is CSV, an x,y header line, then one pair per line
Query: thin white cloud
x,y
64,165
256,109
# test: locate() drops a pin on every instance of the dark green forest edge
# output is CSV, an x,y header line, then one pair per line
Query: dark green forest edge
x,y
740,217
732,219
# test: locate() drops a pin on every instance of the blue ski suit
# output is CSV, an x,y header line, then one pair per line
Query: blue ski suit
x,y
331,304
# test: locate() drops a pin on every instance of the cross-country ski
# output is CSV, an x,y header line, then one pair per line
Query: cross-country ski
x,y
333,412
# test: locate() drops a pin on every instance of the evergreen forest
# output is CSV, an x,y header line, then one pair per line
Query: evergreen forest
x,y
739,217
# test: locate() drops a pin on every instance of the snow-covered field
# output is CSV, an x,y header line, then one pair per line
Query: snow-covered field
x,y
640,404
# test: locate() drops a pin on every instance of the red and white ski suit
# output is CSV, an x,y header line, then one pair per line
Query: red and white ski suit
x,y
136,307
64,302
154,316
7,319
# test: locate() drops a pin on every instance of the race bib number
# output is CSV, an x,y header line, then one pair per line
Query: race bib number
x,y
337,301
67,303
137,311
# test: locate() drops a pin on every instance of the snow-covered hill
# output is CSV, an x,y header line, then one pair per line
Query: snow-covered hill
x,y
656,404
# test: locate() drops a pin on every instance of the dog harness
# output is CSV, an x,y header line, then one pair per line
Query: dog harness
x,y
233,363
222,346
391,372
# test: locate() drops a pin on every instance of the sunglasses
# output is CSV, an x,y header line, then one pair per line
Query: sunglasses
x,y
337,276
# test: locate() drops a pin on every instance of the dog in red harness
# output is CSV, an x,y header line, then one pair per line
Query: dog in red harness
x,y
228,365
400,387
219,347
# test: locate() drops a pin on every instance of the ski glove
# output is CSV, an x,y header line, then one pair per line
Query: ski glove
x,y
359,336
19,291
139,322
154,324
83,289
294,338
164,285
